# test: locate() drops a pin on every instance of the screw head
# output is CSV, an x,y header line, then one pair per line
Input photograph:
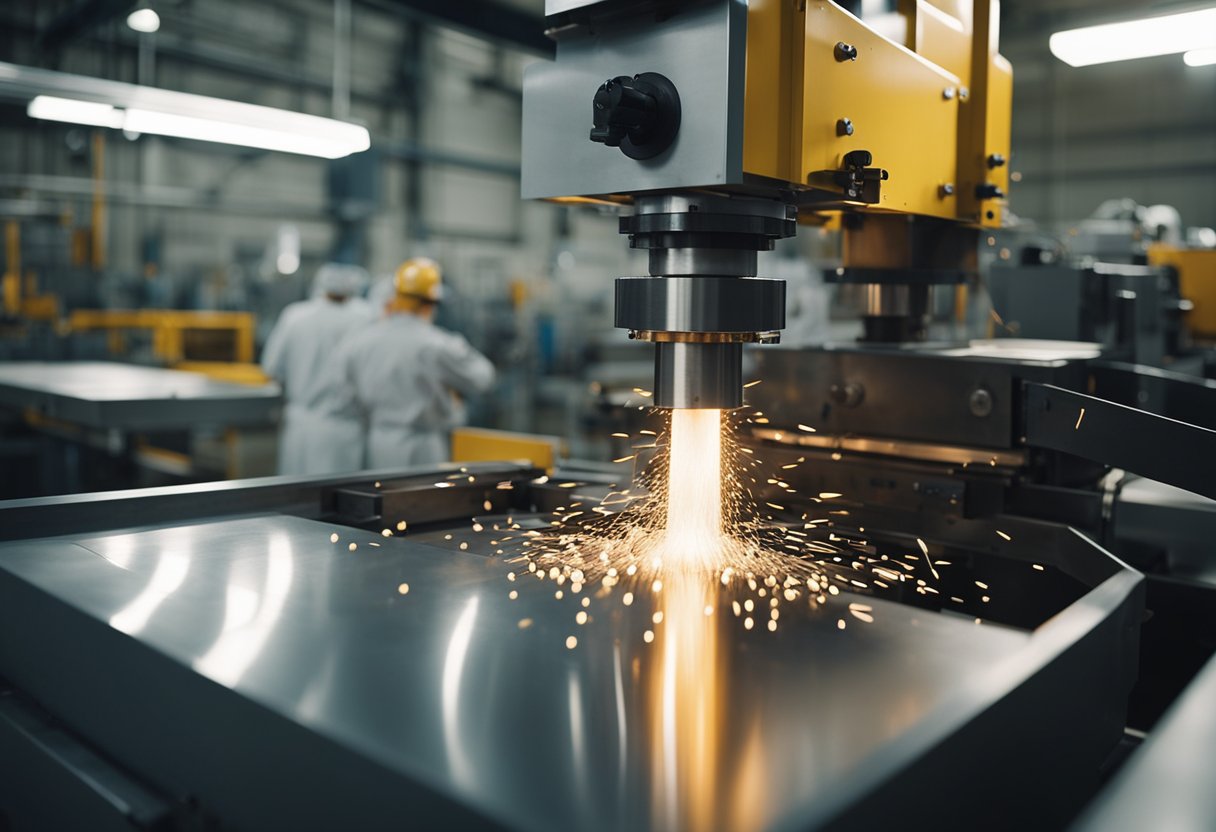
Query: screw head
x,y
980,403
948,94
844,127
946,190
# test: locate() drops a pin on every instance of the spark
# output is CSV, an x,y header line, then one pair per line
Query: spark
x,y
401,525
333,538
1037,566
403,589
384,533
1002,534
352,547
648,636
752,383
925,551
1080,416
806,428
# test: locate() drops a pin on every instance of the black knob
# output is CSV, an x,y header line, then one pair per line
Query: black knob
x,y
640,115
996,160
988,191
620,107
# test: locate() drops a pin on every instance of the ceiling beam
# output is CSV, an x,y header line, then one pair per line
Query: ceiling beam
x,y
496,22
80,19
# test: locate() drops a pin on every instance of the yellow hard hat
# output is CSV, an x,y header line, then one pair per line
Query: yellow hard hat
x,y
418,279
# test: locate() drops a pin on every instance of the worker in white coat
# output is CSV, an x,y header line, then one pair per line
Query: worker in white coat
x,y
317,437
406,375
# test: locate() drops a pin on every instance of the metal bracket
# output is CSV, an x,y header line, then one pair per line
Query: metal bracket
x,y
1157,447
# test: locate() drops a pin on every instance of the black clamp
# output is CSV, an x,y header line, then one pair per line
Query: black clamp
x,y
857,179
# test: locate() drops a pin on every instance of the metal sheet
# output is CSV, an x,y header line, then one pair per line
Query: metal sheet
x,y
1167,783
112,396
285,682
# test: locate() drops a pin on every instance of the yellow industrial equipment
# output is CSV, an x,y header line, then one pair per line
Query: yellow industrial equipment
x,y
484,445
20,296
726,123
169,328
1196,281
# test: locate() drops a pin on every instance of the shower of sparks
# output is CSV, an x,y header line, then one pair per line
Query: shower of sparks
x,y
695,516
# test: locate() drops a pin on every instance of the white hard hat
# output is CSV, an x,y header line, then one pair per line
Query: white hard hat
x,y
341,279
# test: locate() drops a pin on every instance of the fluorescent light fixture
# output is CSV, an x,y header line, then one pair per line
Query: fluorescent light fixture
x,y
57,96
1200,57
226,132
1143,38
144,20
50,108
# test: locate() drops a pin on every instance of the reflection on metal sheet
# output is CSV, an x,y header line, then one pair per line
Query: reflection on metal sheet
x,y
170,572
250,618
453,668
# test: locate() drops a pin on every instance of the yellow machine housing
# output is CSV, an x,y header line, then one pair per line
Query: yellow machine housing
x,y
932,108
1197,282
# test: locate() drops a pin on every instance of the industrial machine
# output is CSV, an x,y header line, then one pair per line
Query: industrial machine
x,y
359,651
719,126
724,123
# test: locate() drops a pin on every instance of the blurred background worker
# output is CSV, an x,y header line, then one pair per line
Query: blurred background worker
x,y
317,436
405,375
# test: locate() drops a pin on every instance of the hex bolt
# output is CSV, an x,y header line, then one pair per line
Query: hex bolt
x,y
948,94
995,160
945,190
844,127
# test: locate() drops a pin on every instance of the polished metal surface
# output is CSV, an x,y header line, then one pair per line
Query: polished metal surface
x,y
895,299
727,262
700,304
707,203
106,395
457,686
892,447
699,47
1167,782
698,375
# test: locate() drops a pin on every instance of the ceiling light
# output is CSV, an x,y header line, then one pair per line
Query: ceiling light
x,y
1200,57
1143,38
50,108
58,96
144,20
